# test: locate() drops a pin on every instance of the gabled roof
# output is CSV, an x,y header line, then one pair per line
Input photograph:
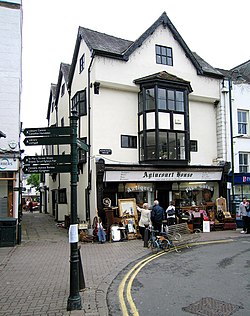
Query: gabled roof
x,y
114,47
52,96
166,77
63,73
244,70
55,88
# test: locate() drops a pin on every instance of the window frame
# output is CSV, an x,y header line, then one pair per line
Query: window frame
x,y
243,167
130,140
163,58
62,196
151,152
82,63
242,125
80,104
194,146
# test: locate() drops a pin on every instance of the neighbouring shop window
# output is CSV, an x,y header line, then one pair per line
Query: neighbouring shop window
x,y
128,141
243,162
242,122
164,55
142,192
199,193
62,196
79,102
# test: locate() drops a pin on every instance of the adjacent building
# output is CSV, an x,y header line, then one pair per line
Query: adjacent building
x,y
236,100
10,92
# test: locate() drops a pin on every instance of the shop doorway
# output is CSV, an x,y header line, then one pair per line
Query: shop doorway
x,y
163,198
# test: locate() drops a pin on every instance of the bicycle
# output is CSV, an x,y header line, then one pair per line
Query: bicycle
x,y
158,242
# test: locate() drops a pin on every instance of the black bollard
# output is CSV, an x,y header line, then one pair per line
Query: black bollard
x,y
81,275
146,237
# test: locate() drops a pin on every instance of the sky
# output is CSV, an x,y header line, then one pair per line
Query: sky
x,y
217,30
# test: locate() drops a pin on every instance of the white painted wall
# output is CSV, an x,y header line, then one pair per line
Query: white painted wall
x,y
10,74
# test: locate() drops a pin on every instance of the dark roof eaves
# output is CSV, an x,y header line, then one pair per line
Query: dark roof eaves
x,y
51,95
74,59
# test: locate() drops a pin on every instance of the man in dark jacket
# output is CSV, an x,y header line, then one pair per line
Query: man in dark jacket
x,y
157,215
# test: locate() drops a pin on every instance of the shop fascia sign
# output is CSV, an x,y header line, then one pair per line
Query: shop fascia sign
x,y
151,176
8,164
138,187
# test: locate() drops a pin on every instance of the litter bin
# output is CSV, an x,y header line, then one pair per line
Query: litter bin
x,y
8,232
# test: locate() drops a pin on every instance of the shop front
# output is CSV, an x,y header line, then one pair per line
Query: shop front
x,y
241,189
8,182
190,189
186,188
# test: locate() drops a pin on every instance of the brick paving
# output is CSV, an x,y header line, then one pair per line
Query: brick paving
x,y
35,274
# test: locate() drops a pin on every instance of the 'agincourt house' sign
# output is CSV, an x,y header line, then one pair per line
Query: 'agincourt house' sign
x,y
114,176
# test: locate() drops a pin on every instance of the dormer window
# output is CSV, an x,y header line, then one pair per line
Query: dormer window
x,y
164,55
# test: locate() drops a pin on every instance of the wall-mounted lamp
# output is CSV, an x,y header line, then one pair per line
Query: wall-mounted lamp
x,y
96,87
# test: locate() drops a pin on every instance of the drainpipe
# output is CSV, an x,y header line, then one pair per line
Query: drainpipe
x,y
89,135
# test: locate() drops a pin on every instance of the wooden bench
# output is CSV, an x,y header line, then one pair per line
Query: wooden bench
x,y
180,235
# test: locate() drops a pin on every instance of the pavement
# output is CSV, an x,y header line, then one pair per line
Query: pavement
x,y
35,275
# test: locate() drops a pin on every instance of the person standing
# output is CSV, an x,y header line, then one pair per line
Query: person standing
x,y
243,213
157,216
31,206
170,211
248,218
145,219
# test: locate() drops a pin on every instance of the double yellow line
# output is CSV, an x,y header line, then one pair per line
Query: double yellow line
x,y
130,276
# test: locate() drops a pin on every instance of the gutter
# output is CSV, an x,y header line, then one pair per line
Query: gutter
x,y
89,137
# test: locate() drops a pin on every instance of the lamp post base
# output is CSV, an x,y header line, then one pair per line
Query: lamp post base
x,y
74,303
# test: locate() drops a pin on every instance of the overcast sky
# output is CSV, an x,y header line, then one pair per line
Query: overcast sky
x,y
217,30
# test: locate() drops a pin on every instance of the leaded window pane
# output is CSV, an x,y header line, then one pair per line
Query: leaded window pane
x,y
150,99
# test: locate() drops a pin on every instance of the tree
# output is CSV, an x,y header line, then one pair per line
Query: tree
x,y
34,180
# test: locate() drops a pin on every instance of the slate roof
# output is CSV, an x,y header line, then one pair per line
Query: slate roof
x,y
244,70
238,73
102,42
65,68
110,46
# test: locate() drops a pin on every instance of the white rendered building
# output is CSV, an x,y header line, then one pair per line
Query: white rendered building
x,y
148,109
10,96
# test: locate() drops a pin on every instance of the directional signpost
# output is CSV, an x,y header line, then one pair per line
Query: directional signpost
x,y
33,141
47,169
47,131
57,164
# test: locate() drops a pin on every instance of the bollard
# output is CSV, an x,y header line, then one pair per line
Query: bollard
x,y
81,275
146,237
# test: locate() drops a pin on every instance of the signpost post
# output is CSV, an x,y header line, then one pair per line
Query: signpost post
x,y
74,300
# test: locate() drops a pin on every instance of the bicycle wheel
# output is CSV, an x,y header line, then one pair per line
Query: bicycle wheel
x,y
153,246
165,245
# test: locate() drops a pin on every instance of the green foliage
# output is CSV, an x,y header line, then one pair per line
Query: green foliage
x,y
34,180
